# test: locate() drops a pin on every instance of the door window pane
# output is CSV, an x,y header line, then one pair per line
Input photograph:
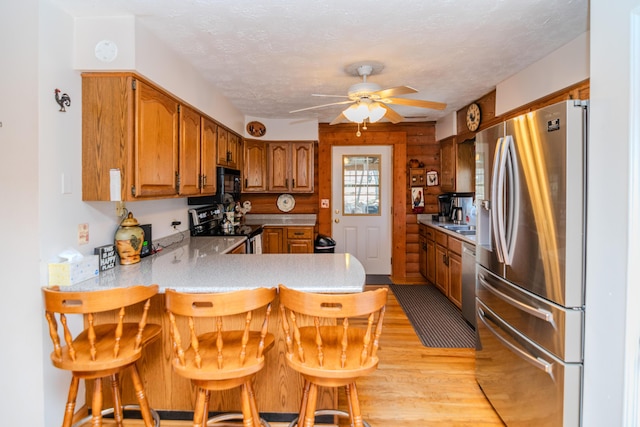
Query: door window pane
x,y
361,184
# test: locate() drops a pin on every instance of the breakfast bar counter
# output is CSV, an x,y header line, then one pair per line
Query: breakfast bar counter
x,y
202,264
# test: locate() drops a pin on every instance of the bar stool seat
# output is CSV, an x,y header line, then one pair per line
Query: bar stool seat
x,y
339,345
102,350
226,354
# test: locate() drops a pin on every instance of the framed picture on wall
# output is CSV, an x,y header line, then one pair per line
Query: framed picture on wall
x,y
417,199
432,178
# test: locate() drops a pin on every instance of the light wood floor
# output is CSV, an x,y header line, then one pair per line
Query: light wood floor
x,y
414,385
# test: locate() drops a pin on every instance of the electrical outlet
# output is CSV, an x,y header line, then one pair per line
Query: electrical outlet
x,y
120,209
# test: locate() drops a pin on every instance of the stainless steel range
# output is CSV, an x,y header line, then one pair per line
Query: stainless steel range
x,y
209,221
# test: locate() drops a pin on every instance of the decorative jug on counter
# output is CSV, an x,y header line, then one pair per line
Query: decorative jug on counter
x,y
129,239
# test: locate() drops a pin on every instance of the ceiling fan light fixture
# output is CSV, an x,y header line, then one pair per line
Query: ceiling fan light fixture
x,y
361,111
376,112
357,112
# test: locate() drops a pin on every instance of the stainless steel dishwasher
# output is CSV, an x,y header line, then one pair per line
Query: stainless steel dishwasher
x,y
469,283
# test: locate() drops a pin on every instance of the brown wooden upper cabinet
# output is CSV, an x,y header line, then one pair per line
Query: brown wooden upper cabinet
x,y
161,147
278,167
457,165
229,148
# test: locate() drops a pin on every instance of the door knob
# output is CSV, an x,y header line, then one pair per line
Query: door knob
x,y
337,220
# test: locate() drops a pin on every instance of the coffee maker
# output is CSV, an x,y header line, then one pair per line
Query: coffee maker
x,y
444,208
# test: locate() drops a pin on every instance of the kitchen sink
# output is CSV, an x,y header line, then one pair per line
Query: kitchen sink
x,y
460,227
466,232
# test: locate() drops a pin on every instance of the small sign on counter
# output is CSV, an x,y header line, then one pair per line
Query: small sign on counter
x,y
106,256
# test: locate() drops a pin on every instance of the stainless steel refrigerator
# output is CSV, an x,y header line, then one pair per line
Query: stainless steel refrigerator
x,y
530,251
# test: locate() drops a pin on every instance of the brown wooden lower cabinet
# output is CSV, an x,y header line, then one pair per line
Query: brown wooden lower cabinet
x,y
288,240
443,262
277,387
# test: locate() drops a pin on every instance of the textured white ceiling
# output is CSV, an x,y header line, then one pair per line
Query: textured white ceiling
x,y
268,57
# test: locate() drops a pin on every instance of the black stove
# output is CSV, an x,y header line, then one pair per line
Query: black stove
x,y
207,221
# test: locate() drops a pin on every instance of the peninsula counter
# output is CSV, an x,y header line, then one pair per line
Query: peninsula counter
x,y
201,264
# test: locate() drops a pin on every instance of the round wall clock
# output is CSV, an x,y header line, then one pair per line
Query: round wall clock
x,y
106,50
473,117
256,129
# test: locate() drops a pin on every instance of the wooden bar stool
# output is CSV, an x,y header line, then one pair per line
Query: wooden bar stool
x,y
102,350
224,353
339,346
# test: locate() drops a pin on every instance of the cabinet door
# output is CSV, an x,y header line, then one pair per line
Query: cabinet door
x,y
190,141
422,255
431,261
156,143
233,148
455,279
442,270
272,240
223,146
208,156
448,165
255,166
302,167
278,164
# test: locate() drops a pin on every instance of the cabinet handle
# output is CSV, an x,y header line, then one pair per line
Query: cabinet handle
x,y
445,260
293,183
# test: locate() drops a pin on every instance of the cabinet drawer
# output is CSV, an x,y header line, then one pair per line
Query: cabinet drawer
x,y
300,233
441,238
422,230
430,233
455,245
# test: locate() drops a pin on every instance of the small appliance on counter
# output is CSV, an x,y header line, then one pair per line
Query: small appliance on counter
x,y
444,208
462,210
212,221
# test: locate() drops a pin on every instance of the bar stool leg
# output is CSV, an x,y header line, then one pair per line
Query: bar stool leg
x,y
117,401
142,397
96,404
71,402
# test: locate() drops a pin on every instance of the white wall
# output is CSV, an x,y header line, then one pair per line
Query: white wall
x,y
447,126
285,129
20,308
562,68
608,285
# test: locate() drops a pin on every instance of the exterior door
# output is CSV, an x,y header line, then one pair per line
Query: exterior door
x,y
361,194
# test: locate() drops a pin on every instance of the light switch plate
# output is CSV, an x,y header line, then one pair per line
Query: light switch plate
x,y
324,203
83,234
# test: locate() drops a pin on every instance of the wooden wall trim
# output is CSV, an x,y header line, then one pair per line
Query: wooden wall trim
x,y
399,184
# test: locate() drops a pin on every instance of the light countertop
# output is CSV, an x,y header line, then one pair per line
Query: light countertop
x,y
287,220
202,264
426,220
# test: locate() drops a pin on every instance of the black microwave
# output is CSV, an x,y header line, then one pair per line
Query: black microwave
x,y
228,187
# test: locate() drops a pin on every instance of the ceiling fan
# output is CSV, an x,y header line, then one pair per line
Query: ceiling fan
x,y
369,101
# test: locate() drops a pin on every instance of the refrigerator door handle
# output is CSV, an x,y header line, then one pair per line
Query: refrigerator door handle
x,y
534,311
537,362
496,212
510,228
498,189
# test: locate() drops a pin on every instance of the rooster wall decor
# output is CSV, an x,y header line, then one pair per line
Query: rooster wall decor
x,y
62,100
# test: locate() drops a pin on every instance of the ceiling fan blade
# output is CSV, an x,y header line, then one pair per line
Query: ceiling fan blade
x,y
391,115
338,119
329,96
395,91
321,106
416,103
